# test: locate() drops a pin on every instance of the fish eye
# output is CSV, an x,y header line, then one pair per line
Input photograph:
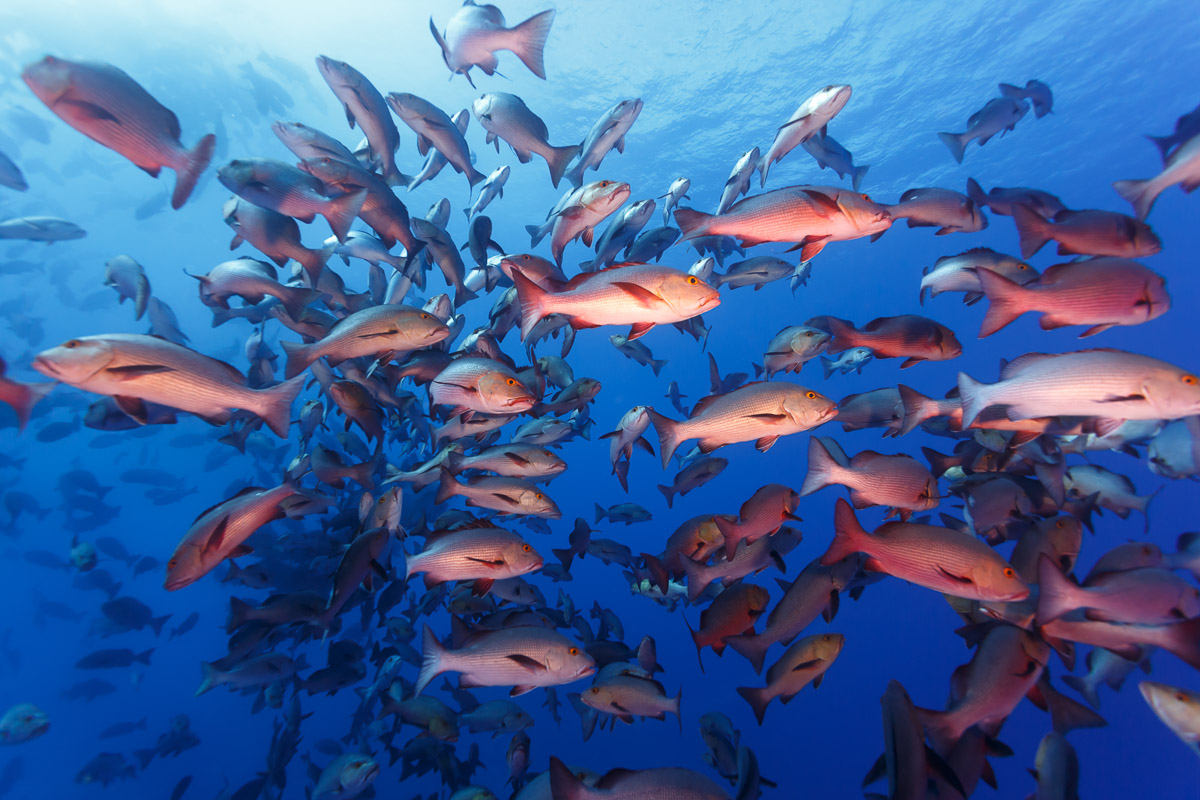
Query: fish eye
x,y
866,197
71,344
1181,697
692,280
1058,524
511,382
526,548
1022,266
605,183
172,563
808,333
574,651
424,315
1189,380
1009,572
811,395
538,495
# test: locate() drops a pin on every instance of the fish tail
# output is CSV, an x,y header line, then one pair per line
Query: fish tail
x,y
828,365
533,302
1139,194
564,785
341,211
668,434
528,41
668,493
474,176
600,512
752,647
210,676
697,580
142,298
1067,714
23,397
848,535
447,488
692,223
144,658
432,654
565,555
857,175
941,729
1184,641
395,177
537,233
842,333
656,364
157,623
1086,690
298,355
974,397
314,261
730,535
559,158
658,572
758,700
295,298
1015,92
822,468
976,192
955,144
917,408
1005,301
1056,595
1032,229
187,173
763,165
1163,143
575,175
277,401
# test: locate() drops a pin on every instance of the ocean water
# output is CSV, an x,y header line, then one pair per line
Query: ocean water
x,y
716,80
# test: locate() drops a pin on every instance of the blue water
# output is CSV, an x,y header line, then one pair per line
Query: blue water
x,y
716,80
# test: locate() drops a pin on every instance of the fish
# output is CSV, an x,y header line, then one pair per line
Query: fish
x,y
910,336
505,116
40,229
759,412
1108,384
290,191
620,233
628,694
650,245
762,515
806,661
897,481
480,385
1087,232
106,105
475,32
757,272
384,331
829,153
625,784
1001,200
960,273
114,659
935,558
578,218
636,351
944,209
639,295
381,209
480,554
136,369
807,121
851,360
678,190
493,187
738,182
999,116
506,495
523,658
11,175
435,129
810,216
1099,292
792,348
22,397
1186,127
1036,92
692,477
129,279
306,142
365,107
23,722
252,281
1179,710
606,134
277,236
1182,167
627,513
1146,596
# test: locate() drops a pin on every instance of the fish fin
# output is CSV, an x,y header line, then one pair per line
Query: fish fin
x,y
765,443
692,223
93,113
432,653
134,371
1033,230
911,361
823,468
533,301
848,536
644,296
340,212
217,538
187,173
134,407
638,330
974,398
1139,194
1006,301
528,41
559,158
954,144
758,700
531,664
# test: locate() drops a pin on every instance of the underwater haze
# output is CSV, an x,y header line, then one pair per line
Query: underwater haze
x,y
134,562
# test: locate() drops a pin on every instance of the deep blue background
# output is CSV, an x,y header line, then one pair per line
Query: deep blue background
x,y
716,79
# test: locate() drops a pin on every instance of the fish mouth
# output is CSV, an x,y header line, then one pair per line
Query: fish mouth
x,y
44,366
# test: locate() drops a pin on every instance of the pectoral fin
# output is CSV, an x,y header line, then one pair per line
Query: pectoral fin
x,y
531,664
132,371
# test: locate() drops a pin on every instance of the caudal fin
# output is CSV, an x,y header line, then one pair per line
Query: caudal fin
x,y
822,468
23,397
751,646
974,396
828,365
575,175
842,334
917,408
564,785
857,174
848,535
298,355
941,729
432,653
533,302
1085,689
187,173
668,493
314,261
341,211
559,158
528,40
276,405
692,223
668,434
1032,228
295,298
698,578
976,192
142,298
1184,641
210,677
1139,194
144,658
1056,594
447,488
1006,301
955,144
1164,144
758,700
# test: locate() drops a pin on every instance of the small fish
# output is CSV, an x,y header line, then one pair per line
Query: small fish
x,y
290,191
851,360
383,331
912,337
129,279
40,229
628,513
999,116
492,188
678,190
1182,167
435,129
1088,232
1035,92
505,116
483,555
10,174
692,477
807,121
944,209
792,348
506,495
829,153
579,216
1000,200
757,272
23,722
636,351
899,481
523,658
606,134
805,661
960,273
365,108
